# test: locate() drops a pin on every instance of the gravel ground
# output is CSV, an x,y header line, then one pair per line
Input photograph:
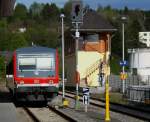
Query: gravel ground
x,y
46,115
23,116
94,114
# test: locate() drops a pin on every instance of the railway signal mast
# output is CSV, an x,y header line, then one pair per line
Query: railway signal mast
x,y
77,19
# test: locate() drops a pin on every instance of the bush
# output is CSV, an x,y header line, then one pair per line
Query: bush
x,y
2,67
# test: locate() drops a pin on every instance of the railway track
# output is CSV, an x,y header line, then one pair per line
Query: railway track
x,y
32,116
115,107
47,114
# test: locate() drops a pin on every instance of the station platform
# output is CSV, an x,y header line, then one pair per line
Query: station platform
x,y
8,112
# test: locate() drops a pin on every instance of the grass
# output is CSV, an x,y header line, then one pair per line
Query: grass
x,y
114,97
114,65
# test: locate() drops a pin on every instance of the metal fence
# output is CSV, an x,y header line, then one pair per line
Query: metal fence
x,y
140,94
116,83
137,88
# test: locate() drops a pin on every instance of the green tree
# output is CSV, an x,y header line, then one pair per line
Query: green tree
x,y
4,34
2,67
17,40
109,13
36,9
50,12
42,36
55,12
46,12
3,23
132,37
67,10
20,12
126,10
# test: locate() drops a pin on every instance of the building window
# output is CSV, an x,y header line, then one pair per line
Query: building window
x,y
92,38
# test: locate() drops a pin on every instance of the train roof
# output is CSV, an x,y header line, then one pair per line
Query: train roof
x,y
35,49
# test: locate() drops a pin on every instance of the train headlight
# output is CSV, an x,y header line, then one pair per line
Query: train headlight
x,y
21,82
50,81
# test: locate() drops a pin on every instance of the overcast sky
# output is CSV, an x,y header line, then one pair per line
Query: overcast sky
x,y
142,4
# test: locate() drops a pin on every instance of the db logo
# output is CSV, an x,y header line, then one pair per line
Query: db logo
x,y
36,81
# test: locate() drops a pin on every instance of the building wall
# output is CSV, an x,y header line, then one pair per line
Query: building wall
x,y
100,45
89,53
140,60
85,60
144,37
70,63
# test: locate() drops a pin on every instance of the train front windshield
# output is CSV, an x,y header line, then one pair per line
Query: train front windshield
x,y
36,65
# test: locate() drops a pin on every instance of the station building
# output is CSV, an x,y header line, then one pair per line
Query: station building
x,y
144,37
94,49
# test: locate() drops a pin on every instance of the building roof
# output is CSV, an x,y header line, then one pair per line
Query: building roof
x,y
94,22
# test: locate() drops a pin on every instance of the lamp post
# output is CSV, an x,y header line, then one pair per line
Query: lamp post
x,y
63,69
123,18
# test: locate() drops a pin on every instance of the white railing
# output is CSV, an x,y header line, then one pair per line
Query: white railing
x,y
91,69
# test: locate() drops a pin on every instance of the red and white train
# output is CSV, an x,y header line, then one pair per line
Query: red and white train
x,y
35,74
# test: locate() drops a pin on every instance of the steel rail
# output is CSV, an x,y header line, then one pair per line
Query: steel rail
x,y
116,107
33,117
62,114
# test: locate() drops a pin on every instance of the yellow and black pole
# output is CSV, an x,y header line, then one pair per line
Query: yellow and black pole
x,y
107,73
107,113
